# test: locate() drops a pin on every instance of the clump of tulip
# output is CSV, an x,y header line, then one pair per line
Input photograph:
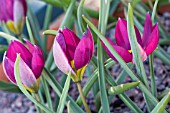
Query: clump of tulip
x,y
147,43
13,13
71,53
30,67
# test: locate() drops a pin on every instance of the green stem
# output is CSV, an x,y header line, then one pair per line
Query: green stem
x,y
38,99
153,84
83,97
47,93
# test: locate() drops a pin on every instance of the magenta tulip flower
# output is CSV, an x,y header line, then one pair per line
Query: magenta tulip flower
x,y
71,53
13,13
147,43
30,67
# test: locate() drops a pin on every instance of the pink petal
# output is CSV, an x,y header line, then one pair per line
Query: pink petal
x,y
60,58
18,12
27,76
37,62
71,41
17,47
153,40
126,56
8,67
121,34
84,50
147,29
142,53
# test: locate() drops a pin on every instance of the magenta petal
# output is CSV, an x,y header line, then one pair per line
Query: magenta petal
x,y
60,58
71,41
138,36
153,40
121,34
84,50
17,47
8,67
37,61
6,10
26,74
30,45
60,39
126,56
147,29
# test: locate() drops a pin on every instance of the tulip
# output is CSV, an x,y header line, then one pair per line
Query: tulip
x,y
30,67
72,54
146,44
13,13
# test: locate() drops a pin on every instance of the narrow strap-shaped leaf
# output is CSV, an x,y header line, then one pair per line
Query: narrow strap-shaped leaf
x,y
3,48
8,37
47,93
29,31
69,110
162,104
79,13
35,27
64,94
9,87
20,85
50,32
68,14
134,46
122,88
46,25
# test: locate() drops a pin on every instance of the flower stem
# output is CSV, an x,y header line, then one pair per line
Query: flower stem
x,y
38,99
83,97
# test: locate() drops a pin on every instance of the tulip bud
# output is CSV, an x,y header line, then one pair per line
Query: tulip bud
x,y
31,64
13,13
71,53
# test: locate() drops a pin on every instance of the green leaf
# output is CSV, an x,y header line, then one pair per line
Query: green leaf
x,y
69,110
35,27
68,14
160,107
29,31
79,13
3,48
64,94
7,36
135,2
22,88
165,92
122,88
135,48
5,86
50,32
47,93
